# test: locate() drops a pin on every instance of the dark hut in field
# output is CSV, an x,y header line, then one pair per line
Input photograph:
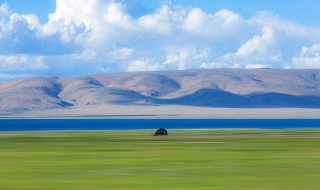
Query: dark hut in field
x,y
161,131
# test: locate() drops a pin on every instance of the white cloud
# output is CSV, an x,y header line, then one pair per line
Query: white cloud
x,y
195,19
219,24
290,29
258,44
179,58
143,65
32,21
210,65
21,62
185,56
12,22
86,12
4,12
164,20
259,51
95,35
256,66
117,15
308,58
121,53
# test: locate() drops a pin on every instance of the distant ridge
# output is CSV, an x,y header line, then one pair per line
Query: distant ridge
x,y
230,88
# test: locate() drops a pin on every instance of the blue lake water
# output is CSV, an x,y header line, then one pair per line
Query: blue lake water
x,y
137,124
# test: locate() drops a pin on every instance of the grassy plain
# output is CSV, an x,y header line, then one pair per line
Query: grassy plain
x,y
135,160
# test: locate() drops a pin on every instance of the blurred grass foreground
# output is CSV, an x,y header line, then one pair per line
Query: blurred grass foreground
x,y
193,159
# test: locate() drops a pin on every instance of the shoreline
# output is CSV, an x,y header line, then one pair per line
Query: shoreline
x,y
152,130
167,112
153,124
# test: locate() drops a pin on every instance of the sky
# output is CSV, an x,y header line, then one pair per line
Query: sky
x,y
78,37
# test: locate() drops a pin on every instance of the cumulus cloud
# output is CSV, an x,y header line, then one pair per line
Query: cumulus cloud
x,y
308,58
30,21
21,63
4,12
67,11
289,29
211,65
121,53
116,15
164,20
23,34
180,57
107,37
221,23
259,51
258,44
143,65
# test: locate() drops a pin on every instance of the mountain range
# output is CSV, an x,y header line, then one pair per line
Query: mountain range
x,y
226,88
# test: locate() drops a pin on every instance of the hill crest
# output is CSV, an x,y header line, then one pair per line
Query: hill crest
x,y
237,88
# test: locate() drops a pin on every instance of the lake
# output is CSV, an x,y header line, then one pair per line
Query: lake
x,y
140,124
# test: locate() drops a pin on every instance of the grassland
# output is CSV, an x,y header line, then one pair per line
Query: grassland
x,y
188,160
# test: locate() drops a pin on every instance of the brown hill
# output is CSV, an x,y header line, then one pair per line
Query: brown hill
x,y
209,88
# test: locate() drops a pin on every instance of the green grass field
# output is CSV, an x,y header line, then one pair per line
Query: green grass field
x,y
192,160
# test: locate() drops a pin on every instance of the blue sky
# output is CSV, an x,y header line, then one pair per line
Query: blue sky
x,y
98,36
305,12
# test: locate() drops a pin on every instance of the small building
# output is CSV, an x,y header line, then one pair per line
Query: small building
x,y
161,131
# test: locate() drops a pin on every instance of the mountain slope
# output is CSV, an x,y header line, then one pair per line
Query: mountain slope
x,y
209,88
